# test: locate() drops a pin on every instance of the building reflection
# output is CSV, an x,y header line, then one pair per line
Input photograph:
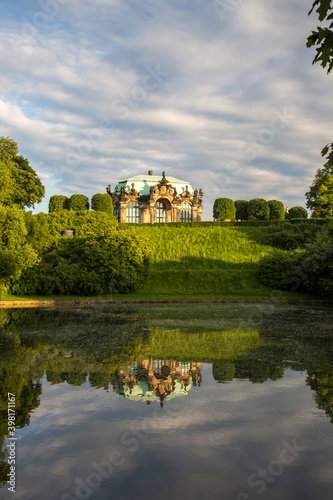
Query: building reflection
x,y
156,380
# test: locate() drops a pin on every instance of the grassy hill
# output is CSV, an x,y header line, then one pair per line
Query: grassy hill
x,y
212,260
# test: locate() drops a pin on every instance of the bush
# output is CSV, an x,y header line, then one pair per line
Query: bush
x,y
276,210
16,254
258,209
102,203
78,202
298,213
116,262
290,236
242,209
58,202
280,271
224,208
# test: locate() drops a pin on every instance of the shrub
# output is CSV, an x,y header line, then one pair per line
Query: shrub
x,y
242,209
115,262
16,254
102,203
78,202
224,208
298,213
280,271
58,202
258,209
276,210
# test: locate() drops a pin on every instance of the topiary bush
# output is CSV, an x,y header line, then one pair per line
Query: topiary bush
x,y
78,202
224,208
258,209
242,209
58,202
276,210
102,203
298,213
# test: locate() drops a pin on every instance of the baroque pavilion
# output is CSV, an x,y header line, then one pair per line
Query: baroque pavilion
x,y
150,198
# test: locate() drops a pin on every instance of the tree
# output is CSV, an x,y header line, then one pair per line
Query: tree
x,y
320,195
298,213
16,254
58,202
78,202
8,151
19,183
258,209
224,208
242,209
323,37
28,188
102,203
276,210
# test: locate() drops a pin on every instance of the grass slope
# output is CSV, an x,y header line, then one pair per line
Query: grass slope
x,y
201,260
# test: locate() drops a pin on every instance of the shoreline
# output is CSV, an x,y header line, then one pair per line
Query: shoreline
x,y
6,304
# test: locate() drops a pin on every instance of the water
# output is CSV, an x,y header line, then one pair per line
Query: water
x,y
197,402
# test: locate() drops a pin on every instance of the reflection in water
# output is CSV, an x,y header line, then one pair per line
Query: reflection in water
x,y
156,380
131,351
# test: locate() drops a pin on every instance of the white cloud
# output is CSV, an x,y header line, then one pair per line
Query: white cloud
x,y
61,79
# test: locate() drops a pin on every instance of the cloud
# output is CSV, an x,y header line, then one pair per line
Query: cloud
x,y
68,73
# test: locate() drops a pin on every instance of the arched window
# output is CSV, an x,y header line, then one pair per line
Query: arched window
x,y
116,210
161,212
132,212
185,212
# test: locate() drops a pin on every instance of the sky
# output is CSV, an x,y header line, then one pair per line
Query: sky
x,y
220,93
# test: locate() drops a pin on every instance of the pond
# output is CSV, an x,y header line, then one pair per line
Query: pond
x,y
171,401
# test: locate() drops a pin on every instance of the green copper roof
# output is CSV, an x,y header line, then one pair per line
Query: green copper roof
x,y
142,183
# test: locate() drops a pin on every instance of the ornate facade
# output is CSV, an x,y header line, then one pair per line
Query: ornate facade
x,y
154,199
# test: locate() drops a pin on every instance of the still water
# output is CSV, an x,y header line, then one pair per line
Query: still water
x,y
175,401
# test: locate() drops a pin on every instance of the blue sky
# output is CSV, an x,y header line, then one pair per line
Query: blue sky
x,y
221,93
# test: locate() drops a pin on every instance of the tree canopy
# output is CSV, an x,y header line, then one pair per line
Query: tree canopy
x,y
322,38
19,183
320,196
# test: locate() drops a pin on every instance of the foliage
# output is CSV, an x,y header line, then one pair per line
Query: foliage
x,y
58,202
16,254
102,202
290,236
320,195
323,37
45,230
8,151
298,213
116,262
19,182
310,271
28,188
258,209
78,202
242,209
279,271
276,210
224,208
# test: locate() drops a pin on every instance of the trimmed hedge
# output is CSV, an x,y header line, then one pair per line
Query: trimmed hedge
x,y
102,203
224,208
258,209
298,213
242,209
276,210
78,202
58,202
